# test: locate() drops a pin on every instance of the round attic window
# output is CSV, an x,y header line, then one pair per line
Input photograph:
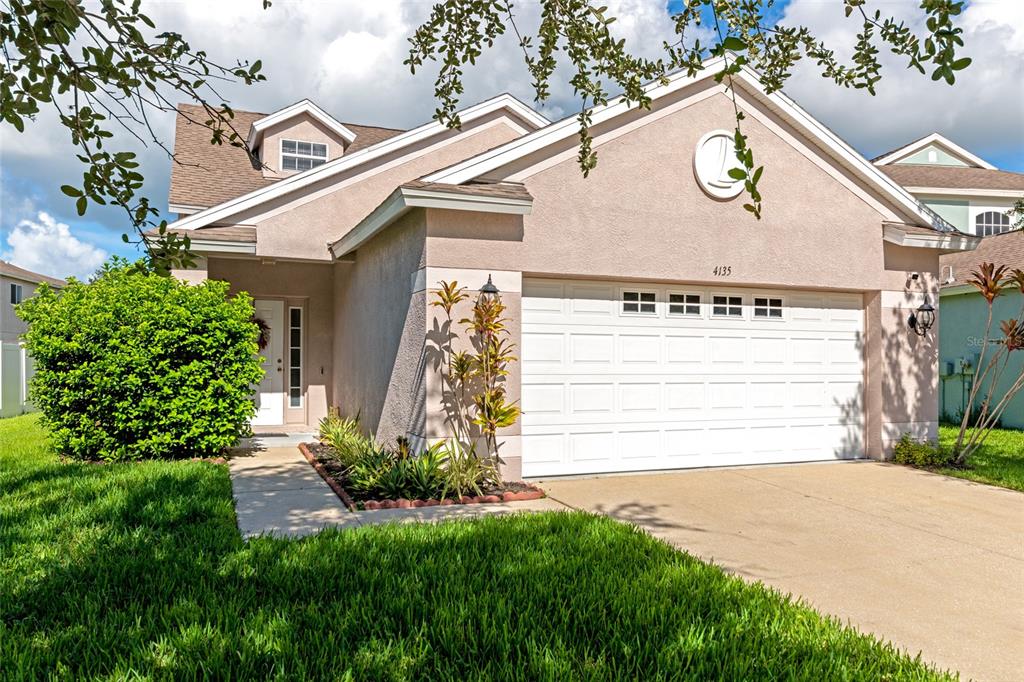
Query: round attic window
x,y
713,158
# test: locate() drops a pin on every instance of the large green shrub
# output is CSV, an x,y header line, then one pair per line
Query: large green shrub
x,y
134,365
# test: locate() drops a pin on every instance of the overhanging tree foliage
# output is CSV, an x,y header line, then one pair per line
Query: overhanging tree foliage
x,y
578,33
105,67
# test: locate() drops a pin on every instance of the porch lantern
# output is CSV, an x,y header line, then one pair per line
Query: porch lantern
x,y
489,291
922,319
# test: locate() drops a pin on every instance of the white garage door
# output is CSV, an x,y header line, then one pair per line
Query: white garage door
x,y
629,377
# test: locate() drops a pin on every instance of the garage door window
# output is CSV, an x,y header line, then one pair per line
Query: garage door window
x,y
638,303
727,306
768,308
687,305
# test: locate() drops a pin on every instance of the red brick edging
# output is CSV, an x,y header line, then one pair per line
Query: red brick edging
x,y
322,470
510,496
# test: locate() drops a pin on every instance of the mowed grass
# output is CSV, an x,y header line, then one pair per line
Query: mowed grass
x,y
137,571
999,461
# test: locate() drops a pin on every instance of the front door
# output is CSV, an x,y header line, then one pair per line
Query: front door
x,y
270,392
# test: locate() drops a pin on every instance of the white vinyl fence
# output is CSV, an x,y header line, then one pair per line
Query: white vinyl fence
x,y
15,373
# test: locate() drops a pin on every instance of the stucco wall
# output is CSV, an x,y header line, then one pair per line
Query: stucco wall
x,y
962,331
286,228
309,285
641,215
12,326
379,333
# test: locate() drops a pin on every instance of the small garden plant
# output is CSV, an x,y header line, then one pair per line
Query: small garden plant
x,y
443,472
135,365
474,375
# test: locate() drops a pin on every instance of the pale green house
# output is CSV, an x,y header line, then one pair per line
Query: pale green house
x,y
962,317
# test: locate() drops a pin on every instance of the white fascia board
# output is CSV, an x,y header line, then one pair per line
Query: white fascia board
x,y
956,191
185,208
302,107
219,246
946,241
225,210
404,198
489,161
936,138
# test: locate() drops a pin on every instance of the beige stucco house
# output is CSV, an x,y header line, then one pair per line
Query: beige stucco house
x,y
659,325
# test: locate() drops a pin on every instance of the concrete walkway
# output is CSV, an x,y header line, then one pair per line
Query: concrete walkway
x,y
932,563
277,492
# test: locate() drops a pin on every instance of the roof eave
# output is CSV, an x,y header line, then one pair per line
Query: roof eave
x,y
943,241
403,199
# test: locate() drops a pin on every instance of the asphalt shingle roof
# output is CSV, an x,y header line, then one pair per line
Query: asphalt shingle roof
x,y
205,174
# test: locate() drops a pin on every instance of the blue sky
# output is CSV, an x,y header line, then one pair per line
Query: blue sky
x,y
350,62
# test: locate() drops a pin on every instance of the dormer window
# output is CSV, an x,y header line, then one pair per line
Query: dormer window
x,y
301,156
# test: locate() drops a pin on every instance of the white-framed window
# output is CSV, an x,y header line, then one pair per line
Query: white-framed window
x,y
294,357
637,302
990,223
726,305
300,156
767,308
683,304
16,293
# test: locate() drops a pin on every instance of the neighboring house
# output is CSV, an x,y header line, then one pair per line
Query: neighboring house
x,y
962,325
658,324
16,285
969,193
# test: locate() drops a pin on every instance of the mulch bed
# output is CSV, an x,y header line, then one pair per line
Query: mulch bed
x,y
334,475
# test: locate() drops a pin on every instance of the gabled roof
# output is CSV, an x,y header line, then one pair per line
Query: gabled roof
x,y
935,138
480,166
204,174
299,108
354,159
924,176
15,272
1001,249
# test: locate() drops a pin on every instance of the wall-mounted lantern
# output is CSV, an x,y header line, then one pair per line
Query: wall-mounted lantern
x,y
489,291
922,319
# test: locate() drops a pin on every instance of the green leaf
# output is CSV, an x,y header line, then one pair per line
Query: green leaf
x,y
961,64
70,191
737,174
81,205
734,44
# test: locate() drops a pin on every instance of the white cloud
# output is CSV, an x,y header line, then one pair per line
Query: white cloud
x,y
47,246
982,111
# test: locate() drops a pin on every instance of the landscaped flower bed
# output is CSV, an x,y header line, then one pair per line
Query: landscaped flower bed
x,y
367,475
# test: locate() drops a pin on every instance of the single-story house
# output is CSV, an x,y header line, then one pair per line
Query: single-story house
x,y
16,285
658,324
962,326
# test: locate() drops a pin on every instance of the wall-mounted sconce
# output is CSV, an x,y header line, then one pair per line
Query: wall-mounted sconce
x,y
922,319
488,290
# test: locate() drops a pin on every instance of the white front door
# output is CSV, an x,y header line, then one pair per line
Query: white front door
x,y
621,376
270,392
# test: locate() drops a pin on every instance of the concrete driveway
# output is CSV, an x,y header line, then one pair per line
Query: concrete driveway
x,y
934,564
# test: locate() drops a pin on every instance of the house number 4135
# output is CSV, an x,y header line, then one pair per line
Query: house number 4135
x,y
722,270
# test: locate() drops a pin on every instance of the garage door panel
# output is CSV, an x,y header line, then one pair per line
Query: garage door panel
x,y
606,389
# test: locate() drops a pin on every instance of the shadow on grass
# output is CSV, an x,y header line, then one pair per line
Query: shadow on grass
x,y
131,570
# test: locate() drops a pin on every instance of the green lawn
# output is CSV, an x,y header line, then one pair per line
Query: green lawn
x,y
137,571
1000,461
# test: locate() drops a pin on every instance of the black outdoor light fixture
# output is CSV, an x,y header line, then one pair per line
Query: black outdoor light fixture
x,y
489,290
922,319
